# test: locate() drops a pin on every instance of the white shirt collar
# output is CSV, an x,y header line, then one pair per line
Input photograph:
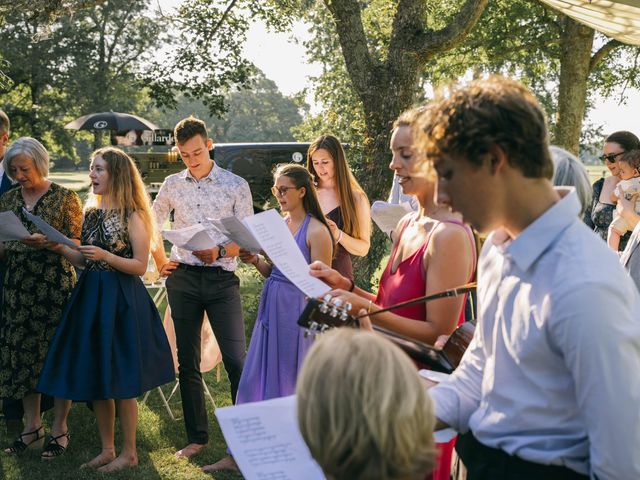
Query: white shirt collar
x,y
527,247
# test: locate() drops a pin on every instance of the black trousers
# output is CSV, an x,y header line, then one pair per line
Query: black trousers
x,y
486,463
193,290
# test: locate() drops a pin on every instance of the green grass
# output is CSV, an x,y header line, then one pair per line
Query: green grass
x,y
74,180
596,171
158,435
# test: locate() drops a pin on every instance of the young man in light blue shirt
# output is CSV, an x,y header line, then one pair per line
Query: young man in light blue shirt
x,y
549,386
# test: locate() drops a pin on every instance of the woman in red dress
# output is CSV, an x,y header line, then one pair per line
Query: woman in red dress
x,y
433,250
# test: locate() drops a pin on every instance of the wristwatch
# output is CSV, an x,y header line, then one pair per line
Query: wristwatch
x,y
222,252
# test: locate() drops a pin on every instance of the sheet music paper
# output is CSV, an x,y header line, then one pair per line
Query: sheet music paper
x,y
271,231
265,440
51,233
235,230
11,228
193,238
387,215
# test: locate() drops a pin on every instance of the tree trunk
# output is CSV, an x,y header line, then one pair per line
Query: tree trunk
x,y
380,113
575,59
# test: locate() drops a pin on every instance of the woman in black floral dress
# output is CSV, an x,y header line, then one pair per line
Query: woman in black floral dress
x,y
37,284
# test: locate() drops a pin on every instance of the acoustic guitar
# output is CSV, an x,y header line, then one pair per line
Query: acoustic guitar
x,y
322,315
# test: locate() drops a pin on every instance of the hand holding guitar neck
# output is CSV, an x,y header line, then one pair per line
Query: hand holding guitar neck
x,y
321,315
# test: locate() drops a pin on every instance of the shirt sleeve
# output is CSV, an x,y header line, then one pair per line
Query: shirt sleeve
x,y
244,202
458,397
162,205
597,329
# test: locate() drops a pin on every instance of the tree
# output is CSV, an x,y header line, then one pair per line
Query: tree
x,y
206,61
259,113
88,61
385,48
564,62
44,11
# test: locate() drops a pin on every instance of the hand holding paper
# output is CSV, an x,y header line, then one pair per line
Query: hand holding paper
x,y
11,228
236,231
271,231
193,238
51,233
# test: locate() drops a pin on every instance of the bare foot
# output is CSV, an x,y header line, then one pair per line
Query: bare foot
x,y
226,463
190,450
119,463
106,456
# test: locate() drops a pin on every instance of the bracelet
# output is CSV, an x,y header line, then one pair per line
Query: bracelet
x,y
370,305
353,285
339,237
255,264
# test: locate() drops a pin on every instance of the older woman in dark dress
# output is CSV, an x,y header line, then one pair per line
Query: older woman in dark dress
x,y
600,213
37,284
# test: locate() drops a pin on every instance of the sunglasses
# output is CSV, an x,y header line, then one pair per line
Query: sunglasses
x,y
281,191
610,157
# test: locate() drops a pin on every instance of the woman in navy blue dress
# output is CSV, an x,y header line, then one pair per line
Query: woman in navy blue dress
x,y
110,346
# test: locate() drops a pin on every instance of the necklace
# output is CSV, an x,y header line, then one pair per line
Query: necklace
x,y
31,199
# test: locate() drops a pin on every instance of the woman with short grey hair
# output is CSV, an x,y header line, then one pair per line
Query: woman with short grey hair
x,y
37,284
570,171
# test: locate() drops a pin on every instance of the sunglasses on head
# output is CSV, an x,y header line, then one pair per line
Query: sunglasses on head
x,y
281,191
610,157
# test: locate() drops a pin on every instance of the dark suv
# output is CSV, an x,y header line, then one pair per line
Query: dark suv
x,y
255,162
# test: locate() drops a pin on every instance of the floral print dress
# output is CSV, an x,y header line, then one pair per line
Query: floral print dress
x,y
37,285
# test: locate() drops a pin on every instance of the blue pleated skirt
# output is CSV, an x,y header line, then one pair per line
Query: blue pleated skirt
x,y
110,343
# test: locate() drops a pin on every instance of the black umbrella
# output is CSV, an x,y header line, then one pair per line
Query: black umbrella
x,y
119,122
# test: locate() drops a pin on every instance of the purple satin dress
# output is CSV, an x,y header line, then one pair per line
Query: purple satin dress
x,y
278,345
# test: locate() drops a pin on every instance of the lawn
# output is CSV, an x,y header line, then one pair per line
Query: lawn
x,y
158,435
596,172
75,180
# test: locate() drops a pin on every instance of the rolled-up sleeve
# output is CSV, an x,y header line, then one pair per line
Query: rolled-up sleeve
x,y
458,397
598,330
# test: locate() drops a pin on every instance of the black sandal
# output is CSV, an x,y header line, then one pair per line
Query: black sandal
x,y
19,445
53,448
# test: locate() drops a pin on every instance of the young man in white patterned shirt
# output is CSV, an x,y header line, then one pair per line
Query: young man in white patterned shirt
x,y
203,280
549,386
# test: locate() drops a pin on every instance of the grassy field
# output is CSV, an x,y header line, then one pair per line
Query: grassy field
x,y
158,435
596,172
74,180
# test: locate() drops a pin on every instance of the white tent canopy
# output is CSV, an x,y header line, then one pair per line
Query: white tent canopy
x,y
619,19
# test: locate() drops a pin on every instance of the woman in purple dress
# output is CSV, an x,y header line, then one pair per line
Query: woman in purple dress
x,y
342,200
278,345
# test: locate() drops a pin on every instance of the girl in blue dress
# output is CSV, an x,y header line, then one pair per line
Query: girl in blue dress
x,y
110,345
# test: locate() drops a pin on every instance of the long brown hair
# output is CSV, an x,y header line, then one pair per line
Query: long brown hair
x,y
346,183
127,192
301,177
